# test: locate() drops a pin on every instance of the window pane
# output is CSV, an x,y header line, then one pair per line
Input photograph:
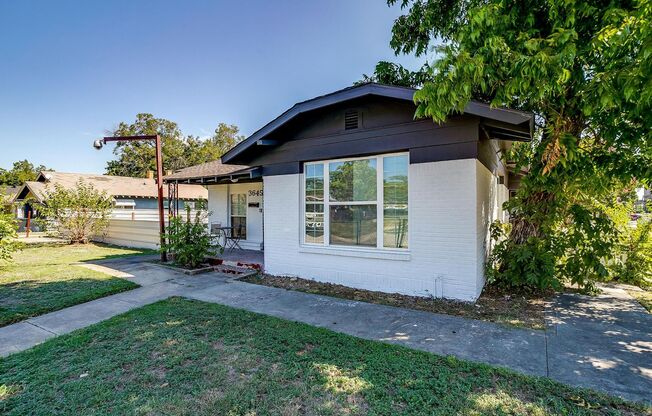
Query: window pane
x,y
239,225
314,223
353,225
395,227
395,208
238,204
395,179
314,182
353,180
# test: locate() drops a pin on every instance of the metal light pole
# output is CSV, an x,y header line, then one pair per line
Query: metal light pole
x,y
159,176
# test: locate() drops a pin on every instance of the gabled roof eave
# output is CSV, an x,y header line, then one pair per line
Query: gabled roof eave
x,y
509,116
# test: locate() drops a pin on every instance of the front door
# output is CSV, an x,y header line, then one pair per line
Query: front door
x,y
239,215
245,213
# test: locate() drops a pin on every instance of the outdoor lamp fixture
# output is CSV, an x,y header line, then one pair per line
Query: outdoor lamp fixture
x,y
98,144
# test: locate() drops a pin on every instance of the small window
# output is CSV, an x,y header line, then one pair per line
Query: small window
x,y
351,119
239,215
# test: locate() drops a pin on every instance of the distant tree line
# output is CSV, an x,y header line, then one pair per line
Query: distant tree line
x,y
21,172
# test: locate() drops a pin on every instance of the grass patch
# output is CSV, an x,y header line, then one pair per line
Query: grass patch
x,y
525,311
182,357
643,296
44,279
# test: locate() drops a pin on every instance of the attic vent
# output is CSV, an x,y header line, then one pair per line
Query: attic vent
x,y
351,120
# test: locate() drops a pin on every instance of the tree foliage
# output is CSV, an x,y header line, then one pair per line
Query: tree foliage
x,y
137,158
584,69
391,73
21,172
8,227
77,214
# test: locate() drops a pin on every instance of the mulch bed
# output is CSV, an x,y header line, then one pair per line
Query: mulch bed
x,y
493,305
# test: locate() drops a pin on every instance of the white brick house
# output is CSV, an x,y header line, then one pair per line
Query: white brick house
x,y
348,188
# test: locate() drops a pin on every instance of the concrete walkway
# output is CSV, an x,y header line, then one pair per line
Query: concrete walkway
x,y
563,352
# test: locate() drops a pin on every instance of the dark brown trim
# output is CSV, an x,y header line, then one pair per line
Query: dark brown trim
x,y
283,169
454,151
237,154
403,137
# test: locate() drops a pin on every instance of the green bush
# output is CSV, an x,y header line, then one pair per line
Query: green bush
x,y
189,240
527,266
8,242
634,260
77,214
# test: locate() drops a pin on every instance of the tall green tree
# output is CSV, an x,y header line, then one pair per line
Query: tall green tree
x,y
21,172
204,150
584,68
137,158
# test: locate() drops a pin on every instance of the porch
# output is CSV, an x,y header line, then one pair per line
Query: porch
x,y
235,205
242,256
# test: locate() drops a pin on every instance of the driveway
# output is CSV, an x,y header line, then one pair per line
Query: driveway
x,y
600,342
603,342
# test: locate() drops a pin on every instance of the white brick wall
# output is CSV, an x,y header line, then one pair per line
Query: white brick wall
x,y
443,237
489,202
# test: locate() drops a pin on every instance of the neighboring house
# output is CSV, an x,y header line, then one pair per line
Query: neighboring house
x,y
643,201
134,219
359,193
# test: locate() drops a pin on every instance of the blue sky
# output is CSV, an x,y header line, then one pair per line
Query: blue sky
x,y
70,71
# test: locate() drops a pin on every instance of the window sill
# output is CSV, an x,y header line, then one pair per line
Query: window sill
x,y
357,252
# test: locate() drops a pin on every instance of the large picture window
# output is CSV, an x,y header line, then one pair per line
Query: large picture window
x,y
357,202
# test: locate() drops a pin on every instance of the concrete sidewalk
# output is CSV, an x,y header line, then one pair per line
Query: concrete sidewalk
x,y
599,342
602,342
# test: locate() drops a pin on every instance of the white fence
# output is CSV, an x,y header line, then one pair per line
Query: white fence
x,y
134,228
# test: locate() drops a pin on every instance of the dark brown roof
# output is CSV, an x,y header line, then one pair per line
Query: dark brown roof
x,y
205,170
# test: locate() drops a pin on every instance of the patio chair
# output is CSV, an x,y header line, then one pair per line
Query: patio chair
x,y
233,239
218,234
216,228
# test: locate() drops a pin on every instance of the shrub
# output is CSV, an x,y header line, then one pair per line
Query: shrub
x,y
8,242
188,239
572,252
77,214
634,260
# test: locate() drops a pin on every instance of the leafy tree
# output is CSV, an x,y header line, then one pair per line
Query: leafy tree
x,y
21,172
202,151
136,158
390,73
584,69
8,227
77,214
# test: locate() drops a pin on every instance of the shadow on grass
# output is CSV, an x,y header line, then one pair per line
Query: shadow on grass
x,y
28,298
180,357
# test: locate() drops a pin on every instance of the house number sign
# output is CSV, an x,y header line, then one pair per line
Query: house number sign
x,y
255,192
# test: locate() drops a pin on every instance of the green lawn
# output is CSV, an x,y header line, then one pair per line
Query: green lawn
x,y
44,279
181,357
643,296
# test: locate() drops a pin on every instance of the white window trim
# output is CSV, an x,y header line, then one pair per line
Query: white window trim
x,y
357,251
